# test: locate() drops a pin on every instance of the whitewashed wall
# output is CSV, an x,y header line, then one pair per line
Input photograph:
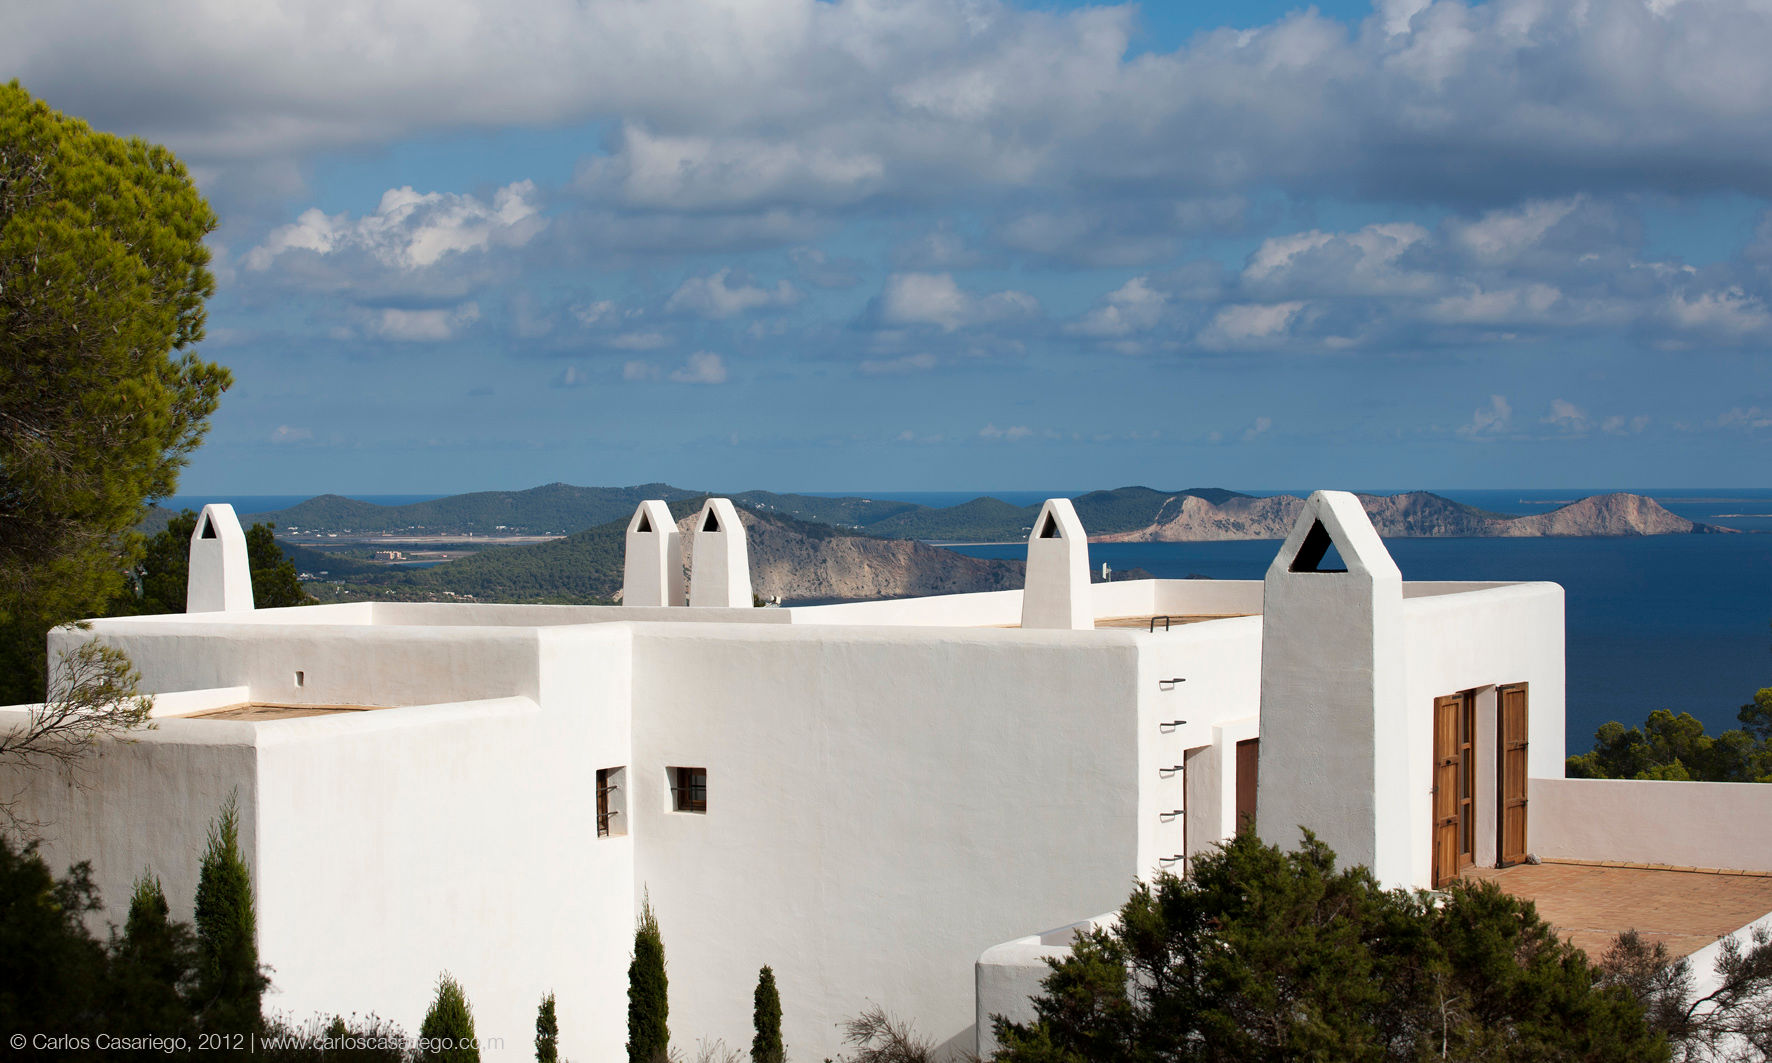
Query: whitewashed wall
x,y
1683,824
883,805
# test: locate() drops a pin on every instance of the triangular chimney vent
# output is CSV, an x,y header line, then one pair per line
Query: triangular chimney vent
x,y
1317,553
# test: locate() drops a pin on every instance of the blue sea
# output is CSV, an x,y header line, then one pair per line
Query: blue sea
x,y
1680,622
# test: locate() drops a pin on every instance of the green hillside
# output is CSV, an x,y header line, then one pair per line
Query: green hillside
x,y
553,509
980,520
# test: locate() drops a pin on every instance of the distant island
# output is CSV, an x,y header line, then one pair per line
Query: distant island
x,y
563,543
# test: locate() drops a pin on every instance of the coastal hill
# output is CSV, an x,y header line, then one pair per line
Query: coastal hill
x,y
1410,515
1119,515
791,559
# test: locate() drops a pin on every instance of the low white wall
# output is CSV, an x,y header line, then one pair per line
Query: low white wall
x,y
1207,597
458,614
339,665
983,609
882,806
1007,977
1684,824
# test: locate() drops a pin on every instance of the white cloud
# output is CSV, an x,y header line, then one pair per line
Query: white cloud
x,y
711,297
703,367
1011,434
1134,307
1262,424
1249,324
1750,417
410,231
423,325
1729,313
639,371
290,434
936,299
1494,419
570,377
1566,416
638,341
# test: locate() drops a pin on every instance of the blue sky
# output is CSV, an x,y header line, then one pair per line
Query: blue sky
x,y
962,244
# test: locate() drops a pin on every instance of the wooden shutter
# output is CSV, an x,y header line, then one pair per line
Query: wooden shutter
x,y
1448,715
1512,776
1248,766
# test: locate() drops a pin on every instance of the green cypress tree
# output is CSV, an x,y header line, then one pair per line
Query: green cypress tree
x,y
766,1046
153,966
447,1034
547,1032
229,982
649,1034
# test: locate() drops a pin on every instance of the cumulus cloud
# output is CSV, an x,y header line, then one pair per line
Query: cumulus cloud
x,y
712,297
1011,434
703,367
284,433
1134,307
1491,420
793,100
937,299
1249,325
409,230
422,325
570,377
639,371
1566,416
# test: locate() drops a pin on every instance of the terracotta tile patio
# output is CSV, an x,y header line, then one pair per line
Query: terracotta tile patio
x,y
1590,904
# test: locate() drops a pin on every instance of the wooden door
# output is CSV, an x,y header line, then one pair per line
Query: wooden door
x,y
1454,796
1511,779
1248,765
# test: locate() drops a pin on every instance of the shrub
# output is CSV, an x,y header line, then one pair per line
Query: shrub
x,y
766,1046
230,983
649,1034
547,1032
447,1034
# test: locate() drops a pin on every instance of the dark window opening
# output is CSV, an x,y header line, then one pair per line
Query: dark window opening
x,y
1049,528
611,803
208,529
689,789
1317,553
645,523
712,523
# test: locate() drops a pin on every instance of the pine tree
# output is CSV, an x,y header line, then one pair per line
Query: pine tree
x,y
447,1034
229,982
766,1046
547,1032
649,1034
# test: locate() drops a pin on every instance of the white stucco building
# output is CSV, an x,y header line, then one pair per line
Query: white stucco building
x,y
867,797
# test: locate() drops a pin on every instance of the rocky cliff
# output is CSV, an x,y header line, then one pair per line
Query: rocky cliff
x,y
1413,514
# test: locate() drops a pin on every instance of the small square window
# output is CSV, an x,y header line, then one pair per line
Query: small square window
x,y
612,802
689,789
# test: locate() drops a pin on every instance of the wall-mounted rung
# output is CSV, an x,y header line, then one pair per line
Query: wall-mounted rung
x,y
1169,771
1170,725
1178,857
1171,815
1170,684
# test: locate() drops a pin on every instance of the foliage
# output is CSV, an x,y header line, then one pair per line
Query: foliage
x,y
51,969
881,1038
766,1046
649,1034
370,1039
103,275
547,1032
93,692
1676,747
1732,1022
1264,955
230,983
153,967
447,1034
164,571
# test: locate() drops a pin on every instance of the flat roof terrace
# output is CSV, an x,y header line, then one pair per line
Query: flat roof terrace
x,y
258,712
1590,903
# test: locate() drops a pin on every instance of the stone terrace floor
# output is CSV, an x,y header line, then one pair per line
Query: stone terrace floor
x,y
1590,904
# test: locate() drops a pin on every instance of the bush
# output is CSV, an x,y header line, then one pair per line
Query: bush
x,y
1270,955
